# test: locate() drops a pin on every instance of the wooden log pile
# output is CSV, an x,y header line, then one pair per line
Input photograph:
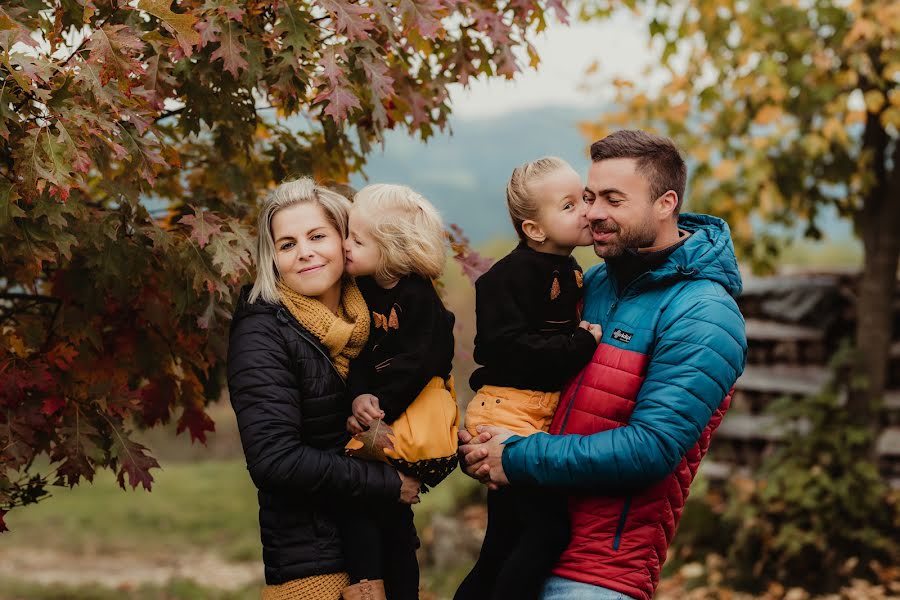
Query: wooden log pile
x,y
795,324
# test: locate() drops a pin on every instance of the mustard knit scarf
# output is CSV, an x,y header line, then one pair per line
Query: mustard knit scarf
x,y
343,334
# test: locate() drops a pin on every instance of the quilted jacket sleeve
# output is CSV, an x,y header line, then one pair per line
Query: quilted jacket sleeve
x,y
699,354
263,389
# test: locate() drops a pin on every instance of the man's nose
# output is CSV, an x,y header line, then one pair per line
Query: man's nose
x,y
596,212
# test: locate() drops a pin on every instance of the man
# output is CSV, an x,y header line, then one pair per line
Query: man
x,y
638,418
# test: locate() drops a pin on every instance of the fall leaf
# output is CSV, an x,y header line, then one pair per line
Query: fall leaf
x,y
134,164
373,442
182,25
350,18
230,50
197,423
202,226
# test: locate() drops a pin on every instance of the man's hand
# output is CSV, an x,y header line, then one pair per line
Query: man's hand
x,y
467,440
365,408
483,459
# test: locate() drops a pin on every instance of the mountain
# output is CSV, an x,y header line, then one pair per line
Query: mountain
x,y
464,172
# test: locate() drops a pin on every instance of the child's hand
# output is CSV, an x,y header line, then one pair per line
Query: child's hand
x,y
353,426
365,409
593,328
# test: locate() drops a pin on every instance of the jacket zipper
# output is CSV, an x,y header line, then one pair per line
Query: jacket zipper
x,y
287,320
618,538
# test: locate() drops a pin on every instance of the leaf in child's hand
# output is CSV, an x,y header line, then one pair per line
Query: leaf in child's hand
x,y
375,440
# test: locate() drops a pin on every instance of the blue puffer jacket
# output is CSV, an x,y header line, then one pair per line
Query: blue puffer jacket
x,y
639,416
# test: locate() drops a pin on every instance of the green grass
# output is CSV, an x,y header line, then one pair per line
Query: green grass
x,y
202,506
179,589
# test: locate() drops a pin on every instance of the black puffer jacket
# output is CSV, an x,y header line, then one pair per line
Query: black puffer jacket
x,y
291,411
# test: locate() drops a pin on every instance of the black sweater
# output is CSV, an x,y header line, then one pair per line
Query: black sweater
x,y
411,341
290,406
527,326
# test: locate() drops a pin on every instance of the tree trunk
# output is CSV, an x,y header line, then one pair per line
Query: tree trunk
x,y
879,226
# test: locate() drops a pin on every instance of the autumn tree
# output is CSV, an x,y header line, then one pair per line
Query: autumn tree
x,y
135,141
789,109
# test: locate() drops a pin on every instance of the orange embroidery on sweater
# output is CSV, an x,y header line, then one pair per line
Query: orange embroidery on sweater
x,y
579,278
554,289
380,321
393,322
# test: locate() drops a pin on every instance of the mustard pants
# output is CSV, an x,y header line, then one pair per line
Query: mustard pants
x,y
521,411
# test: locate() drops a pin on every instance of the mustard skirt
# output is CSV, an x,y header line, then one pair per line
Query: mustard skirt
x,y
423,438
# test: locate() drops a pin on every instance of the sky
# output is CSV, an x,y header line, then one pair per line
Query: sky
x,y
620,44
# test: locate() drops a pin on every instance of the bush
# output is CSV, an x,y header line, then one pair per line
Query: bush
x,y
818,513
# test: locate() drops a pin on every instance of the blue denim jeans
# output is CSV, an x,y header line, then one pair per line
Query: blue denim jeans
x,y
557,588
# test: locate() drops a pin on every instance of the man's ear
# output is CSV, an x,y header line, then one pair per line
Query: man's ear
x,y
666,205
533,231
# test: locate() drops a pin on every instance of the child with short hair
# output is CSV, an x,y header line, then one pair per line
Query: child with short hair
x,y
395,249
529,340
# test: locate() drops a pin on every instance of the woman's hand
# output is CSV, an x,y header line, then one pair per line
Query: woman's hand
x,y
365,408
409,489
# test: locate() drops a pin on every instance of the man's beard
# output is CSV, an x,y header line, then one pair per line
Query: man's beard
x,y
642,236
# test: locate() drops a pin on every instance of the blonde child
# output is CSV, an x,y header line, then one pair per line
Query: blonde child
x,y
529,341
395,249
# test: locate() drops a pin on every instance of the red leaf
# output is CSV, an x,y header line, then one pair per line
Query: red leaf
x,y
3,526
340,101
377,72
332,71
422,16
197,422
202,227
135,462
62,355
230,50
52,404
349,18
156,398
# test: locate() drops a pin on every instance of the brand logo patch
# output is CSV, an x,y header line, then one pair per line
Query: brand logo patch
x,y
622,336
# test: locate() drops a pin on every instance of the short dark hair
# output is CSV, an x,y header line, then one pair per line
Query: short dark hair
x,y
657,158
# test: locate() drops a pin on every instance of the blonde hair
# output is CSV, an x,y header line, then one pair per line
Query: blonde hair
x,y
298,191
407,229
520,199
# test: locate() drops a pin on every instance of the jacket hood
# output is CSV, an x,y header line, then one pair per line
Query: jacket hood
x,y
707,254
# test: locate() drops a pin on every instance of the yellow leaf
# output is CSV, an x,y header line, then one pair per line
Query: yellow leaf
x,y
891,116
726,169
894,97
874,101
834,130
17,346
182,25
863,30
767,114
891,71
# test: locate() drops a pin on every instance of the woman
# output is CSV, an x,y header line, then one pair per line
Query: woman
x,y
293,336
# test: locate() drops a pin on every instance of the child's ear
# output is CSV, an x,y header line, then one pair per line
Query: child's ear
x,y
533,231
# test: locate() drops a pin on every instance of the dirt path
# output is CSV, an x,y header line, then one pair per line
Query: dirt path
x,y
124,571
